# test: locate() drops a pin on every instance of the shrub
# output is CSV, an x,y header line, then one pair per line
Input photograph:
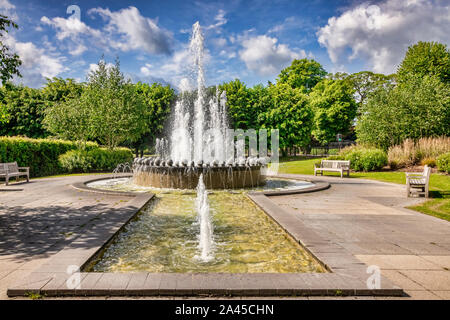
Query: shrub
x,y
443,162
409,152
428,162
99,159
41,155
335,157
364,158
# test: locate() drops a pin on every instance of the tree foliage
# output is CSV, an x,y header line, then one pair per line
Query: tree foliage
x,y
334,109
290,113
366,82
117,110
60,90
9,61
238,104
426,58
22,110
303,74
418,108
109,110
158,100
71,120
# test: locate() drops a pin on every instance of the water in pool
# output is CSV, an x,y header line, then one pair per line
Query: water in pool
x,y
164,237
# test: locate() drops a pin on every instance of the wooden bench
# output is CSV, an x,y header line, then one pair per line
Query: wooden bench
x,y
334,166
8,170
418,182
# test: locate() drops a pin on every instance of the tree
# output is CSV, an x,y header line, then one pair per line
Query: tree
x,y
23,109
418,108
366,82
425,58
9,61
59,90
260,100
117,110
303,74
158,100
109,109
71,120
290,113
334,109
238,104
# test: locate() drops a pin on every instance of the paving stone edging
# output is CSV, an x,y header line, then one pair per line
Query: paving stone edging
x,y
347,277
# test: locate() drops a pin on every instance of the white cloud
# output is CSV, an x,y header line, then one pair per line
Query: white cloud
x,y
36,63
264,56
78,50
145,70
70,28
219,42
288,23
220,20
135,31
380,34
94,67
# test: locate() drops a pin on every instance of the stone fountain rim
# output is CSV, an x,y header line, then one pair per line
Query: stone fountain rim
x,y
318,185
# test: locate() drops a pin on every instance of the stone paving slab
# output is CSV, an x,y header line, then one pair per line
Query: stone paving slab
x,y
345,280
369,219
334,236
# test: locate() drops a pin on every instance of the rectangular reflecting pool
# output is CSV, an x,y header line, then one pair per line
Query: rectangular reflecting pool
x,y
163,237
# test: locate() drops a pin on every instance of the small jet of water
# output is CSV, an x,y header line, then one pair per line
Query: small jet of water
x,y
206,240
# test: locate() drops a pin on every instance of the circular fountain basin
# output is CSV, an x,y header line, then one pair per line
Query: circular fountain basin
x,y
126,184
187,177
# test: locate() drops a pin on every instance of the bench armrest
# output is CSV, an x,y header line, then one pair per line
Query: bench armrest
x,y
24,168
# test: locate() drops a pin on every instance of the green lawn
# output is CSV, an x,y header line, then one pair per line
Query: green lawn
x,y
439,206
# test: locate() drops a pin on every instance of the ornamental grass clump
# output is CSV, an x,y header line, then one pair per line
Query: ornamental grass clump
x,y
424,151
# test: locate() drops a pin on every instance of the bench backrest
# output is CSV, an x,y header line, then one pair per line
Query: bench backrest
x,y
3,168
426,173
11,167
335,164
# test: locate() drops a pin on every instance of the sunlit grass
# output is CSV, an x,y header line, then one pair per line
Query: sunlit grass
x,y
439,206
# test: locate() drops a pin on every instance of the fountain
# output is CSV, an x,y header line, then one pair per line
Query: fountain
x,y
204,220
200,143
175,232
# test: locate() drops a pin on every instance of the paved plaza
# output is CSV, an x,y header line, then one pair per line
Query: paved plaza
x,y
361,219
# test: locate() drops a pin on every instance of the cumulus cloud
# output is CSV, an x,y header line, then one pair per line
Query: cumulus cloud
x,y
263,55
76,31
135,31
36,63
380,34
70,27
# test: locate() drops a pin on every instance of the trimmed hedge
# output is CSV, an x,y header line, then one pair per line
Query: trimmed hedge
x,y
100,159
443,162
41,155
363,158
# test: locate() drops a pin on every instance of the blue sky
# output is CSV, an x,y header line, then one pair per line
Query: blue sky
x,y
249,40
